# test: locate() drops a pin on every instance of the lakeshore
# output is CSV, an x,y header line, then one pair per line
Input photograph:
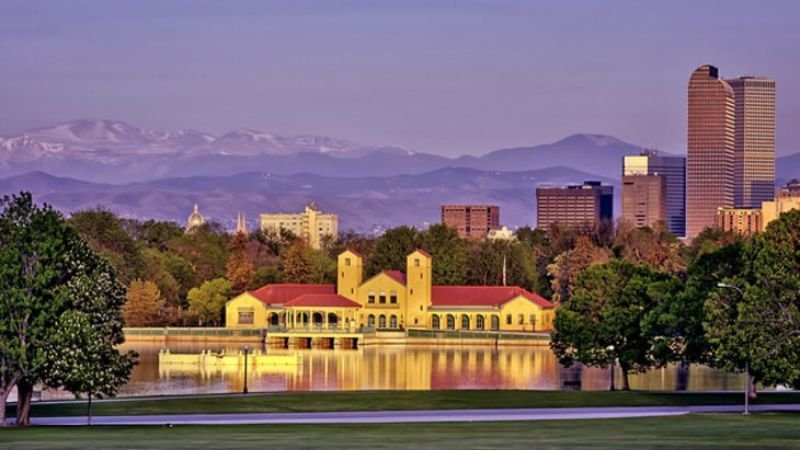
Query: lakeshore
x,y
710,432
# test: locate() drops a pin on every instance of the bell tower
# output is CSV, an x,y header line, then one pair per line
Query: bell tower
x,y
418,285
350,270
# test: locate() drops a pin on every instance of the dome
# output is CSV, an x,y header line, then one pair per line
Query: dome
x,y
195,219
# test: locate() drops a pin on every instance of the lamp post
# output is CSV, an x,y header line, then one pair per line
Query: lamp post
x,y
747,381
610,349
246,350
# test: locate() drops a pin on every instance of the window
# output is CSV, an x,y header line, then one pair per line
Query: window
x,y
382,321
521,319
371,321
382,297
435,322
371,297
533,321
347,261
246,317
393,321
411,292
509,320
479,323
343,274
495,323
420,276
416,262
465,322
393,297
451,322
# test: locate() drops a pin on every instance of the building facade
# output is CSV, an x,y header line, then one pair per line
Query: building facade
x,y
673,170
471,221
391,300
745,221
787,198
576,206
710,153
644,199
754,140
311,225
195,219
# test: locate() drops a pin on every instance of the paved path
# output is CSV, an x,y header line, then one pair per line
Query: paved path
x,y
463,415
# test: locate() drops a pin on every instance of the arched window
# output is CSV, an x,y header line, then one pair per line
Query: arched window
x,y
465,322
451,322
435,322
371,321
317,318
495,323
393,321
479,322
382,321
333,320
274,319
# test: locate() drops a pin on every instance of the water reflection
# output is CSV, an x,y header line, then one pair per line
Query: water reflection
x,y
404,368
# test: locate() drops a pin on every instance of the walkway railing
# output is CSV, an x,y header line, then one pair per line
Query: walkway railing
x,y
194,331
463,334
319,329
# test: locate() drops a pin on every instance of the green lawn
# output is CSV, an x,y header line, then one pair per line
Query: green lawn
x,y
764,431
397,400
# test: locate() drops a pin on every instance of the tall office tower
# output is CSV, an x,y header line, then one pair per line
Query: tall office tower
x,y
754,140
471,221
586,205
710,155
673,169
644,199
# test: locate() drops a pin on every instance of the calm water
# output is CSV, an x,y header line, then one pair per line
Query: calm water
x,y
400,367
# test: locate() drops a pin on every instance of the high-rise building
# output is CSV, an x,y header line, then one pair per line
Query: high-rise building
x,y
644,199
673,170
754,140
787,199
471,221
586,205
710,154
311,225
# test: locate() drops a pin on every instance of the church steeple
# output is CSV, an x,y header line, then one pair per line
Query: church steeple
x,y
241,224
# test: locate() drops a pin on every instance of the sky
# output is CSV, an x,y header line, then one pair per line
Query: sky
x,y
444,77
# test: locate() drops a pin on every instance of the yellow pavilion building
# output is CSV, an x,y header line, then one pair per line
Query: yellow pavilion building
x,y
390,300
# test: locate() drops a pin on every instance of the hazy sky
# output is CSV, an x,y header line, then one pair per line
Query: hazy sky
x,y
447,77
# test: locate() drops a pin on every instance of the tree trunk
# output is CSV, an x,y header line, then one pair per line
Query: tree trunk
x,y
625,385
3,401
24,398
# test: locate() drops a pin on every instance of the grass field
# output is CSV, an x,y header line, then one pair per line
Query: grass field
x,y
397,400
763,431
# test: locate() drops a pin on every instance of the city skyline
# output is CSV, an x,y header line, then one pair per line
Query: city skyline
x,y
489,75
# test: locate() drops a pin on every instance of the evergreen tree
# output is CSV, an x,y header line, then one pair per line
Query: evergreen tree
x,y
144,306
391,250
448,252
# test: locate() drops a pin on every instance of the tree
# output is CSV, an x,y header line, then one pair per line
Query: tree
x,y
263,276
239,268
144,306
565,268
47,270
322,268
106,235
205,249
153,233
296,265
761,328
448,252
602,320
157,271
655,246
208,301
391,250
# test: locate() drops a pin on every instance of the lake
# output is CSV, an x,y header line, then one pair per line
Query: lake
x,y
403,368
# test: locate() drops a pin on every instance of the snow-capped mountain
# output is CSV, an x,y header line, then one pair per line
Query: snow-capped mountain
x,y
108,151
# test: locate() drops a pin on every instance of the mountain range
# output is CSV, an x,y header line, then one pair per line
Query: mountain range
x,y
144,173
107,151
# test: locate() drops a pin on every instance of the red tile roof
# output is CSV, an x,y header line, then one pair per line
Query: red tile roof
x,y
426,254
396,275
277,294
482,296
354,251
322,300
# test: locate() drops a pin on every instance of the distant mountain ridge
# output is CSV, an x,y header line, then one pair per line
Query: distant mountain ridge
x,y
362,203
116,152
